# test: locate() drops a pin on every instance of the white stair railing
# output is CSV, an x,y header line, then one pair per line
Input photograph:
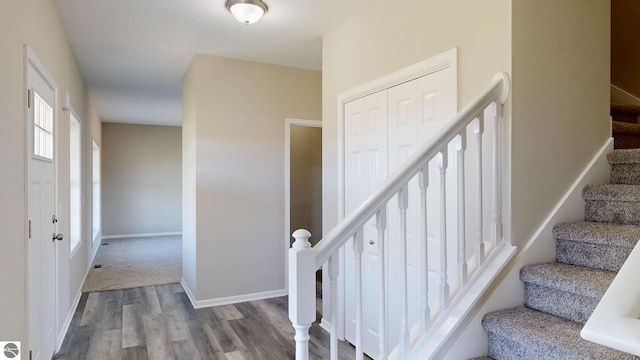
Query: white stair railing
x,y
305,260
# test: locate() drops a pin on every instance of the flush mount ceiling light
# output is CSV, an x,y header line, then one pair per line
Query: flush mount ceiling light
x,y
247,11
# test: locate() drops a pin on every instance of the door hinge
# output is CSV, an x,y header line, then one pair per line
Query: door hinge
x,y
29,98
29,229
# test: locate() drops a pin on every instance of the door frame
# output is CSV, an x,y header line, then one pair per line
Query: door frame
x,y
447,59
288,123
31,59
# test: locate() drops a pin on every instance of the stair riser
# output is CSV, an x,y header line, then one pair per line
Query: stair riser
x,y
602,257
625,174
559,303
501,348
619,212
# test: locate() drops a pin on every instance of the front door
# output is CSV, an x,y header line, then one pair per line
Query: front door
x,y
41,203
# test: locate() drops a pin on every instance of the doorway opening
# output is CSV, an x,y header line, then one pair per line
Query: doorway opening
x,y
303,185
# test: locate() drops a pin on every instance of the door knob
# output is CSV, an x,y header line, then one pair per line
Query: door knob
x,y
371,242
58,237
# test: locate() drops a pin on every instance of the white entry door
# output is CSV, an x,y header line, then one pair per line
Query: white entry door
x,y
41,202
382,131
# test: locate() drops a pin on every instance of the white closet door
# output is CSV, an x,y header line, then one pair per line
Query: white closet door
x,y
366,169
382,131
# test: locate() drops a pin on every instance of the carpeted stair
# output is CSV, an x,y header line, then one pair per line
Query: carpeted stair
x,y
560,296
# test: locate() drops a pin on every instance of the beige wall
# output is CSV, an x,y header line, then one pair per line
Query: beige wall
x,y
560,117
306,180
35,22
380,39
141,179
560,101
237,120
625,49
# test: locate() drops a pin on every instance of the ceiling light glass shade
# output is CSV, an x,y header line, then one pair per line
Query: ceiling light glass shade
x,y
247,11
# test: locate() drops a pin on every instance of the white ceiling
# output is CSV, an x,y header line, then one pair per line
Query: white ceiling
x,y
133,53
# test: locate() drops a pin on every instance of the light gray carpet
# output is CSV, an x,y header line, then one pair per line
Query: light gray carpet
x,y
560,296
136,262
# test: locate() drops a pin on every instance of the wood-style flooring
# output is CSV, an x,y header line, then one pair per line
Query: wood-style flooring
x,y
158,322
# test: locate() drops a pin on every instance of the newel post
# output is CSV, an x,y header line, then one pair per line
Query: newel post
x,y
302,293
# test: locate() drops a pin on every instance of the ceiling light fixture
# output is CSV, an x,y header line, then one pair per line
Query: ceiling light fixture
x,y
247,11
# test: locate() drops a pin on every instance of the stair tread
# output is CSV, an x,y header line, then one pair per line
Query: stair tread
x,y
624,156
598,233
615,192
573,279
547,334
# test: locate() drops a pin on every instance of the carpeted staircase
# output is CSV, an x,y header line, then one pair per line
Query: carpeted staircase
x,y
560,297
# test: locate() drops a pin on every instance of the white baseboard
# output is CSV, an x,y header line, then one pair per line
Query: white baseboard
x,y
197,304
508,290
74,306
67,322
325,325
126,236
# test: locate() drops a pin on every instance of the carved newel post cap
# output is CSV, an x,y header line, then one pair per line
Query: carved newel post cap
x,y
302,239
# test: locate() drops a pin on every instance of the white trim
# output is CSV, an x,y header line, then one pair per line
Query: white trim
x,y
619,93
74,307
288,122
95,245
144,235
325,325
67,322
614,322
73,113
434,64
574,190
198,304
448,59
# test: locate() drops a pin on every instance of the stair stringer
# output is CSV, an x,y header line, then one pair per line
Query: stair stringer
x,y
507,291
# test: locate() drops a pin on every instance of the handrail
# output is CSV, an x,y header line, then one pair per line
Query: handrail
x,y
615,321
339,235
304,260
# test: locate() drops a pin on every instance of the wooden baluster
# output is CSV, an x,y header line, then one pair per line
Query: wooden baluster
x,y
496,225
334,271
442,162
425,311
381,226
357,250
302,291
403,203
478,129
463,275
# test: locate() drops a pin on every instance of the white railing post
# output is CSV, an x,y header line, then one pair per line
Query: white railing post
x,y
302,292
463,275
442,162
403,204
425,311
381,226
334,271
358,239
478,129
496,224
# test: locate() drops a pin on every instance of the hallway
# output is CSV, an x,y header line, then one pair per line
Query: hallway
x,y
158,322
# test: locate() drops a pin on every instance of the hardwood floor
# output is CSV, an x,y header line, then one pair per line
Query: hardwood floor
x,y
158,322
